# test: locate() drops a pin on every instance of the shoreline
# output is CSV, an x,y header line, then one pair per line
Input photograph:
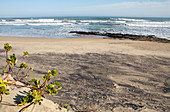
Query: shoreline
x,y
84,45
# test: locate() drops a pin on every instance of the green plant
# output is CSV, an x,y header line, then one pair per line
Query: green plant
x,y
3,84
67,107
38,89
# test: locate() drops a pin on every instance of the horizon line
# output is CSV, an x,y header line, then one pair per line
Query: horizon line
x,y
81,16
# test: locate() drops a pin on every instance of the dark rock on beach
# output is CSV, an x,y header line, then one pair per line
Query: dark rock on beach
x,y
125,36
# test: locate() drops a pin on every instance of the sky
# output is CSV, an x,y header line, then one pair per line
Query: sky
x,y
125,8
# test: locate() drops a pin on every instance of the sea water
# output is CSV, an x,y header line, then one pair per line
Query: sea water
x,y
59,27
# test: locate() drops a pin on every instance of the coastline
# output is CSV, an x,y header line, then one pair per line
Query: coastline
x,y
61,26
110,74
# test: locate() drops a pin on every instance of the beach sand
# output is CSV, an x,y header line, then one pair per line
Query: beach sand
x,y
107,74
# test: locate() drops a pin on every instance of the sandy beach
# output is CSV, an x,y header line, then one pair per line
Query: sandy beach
x,y
107,74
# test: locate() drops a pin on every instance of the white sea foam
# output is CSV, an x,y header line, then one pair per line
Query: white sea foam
x,y
37,22
93,21
72,21
127,19
34,24
18,20
11,23
120,21
3,20
48,24
83,23
150,24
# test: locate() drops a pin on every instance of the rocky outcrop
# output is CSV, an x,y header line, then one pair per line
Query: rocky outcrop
x,y
125,36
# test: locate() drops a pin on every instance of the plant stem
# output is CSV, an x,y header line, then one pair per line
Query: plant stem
x,y
10,69
23,109
21,57
6,55
25,73
21,86
1,98
42,85
10,103
4,67
18,73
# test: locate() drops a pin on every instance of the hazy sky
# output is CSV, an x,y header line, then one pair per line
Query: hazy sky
x,y
139,8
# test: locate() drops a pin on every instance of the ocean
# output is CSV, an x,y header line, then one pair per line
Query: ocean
x,y
59,27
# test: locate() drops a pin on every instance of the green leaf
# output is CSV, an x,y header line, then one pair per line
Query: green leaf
x,y
28,83
49,71
31,68
51,89
7,93
5,69
12,59
23,65
54,92
26,99
35,83
3,84
34,79
7,47
51,85
67,107
58,84
59,88
45,77
26,53
26,75
54,73
35,92
1,80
